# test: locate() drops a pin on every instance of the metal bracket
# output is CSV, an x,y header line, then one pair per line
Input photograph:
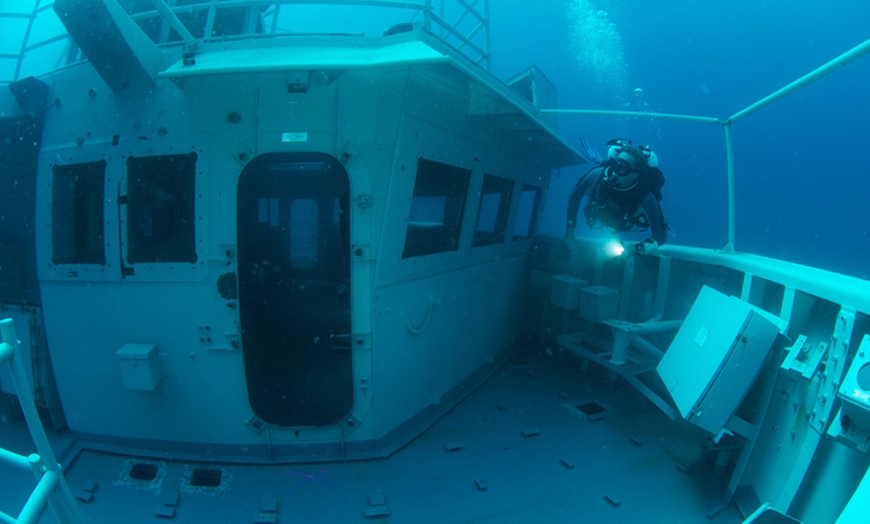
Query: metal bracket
x,y
803,358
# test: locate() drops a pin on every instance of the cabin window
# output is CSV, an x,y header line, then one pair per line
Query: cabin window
x,y
77,213
492,214
527,214
267,211
303,233
437,206
160,209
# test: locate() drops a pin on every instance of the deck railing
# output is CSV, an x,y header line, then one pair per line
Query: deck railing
x,y
814,75
51,487
463,25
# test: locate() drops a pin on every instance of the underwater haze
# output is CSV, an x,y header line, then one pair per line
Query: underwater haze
x,y
802,173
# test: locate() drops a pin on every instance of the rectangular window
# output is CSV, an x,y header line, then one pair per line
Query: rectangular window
x,y
267,211
77,213
495,198
437,206
161,224
527,214
303,233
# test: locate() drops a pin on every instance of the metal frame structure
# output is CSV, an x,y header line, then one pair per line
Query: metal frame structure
x,y
809,78
51,488
463,25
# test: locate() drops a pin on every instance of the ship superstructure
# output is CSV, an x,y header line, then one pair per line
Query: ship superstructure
x,y
229,248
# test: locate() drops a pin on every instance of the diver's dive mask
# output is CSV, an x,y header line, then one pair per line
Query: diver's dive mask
x,y
622,168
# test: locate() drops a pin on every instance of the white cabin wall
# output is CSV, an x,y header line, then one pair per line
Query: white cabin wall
x,y
202,386
203,397
444,317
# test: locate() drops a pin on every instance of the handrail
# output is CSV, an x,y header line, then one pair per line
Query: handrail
x,y
51,488
636,114
467,41
849,56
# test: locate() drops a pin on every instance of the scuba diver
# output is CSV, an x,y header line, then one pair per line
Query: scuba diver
x,y
623,194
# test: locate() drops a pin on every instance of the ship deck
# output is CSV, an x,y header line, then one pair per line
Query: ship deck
x,y
545,439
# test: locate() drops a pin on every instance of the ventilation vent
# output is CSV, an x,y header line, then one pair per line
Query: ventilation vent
x,y
589,409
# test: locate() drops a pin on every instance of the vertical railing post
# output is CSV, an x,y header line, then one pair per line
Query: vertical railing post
x,y
25,39
427,16
729,158
487,42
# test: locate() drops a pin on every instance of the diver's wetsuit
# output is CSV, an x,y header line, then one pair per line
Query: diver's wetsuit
x,y
636,207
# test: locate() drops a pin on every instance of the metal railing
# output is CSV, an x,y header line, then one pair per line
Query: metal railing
x,y
51,488
850,56
462,25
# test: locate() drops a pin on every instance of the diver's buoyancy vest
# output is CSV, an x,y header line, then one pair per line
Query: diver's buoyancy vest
x,y
617,208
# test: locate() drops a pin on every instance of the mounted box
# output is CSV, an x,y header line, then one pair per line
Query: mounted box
x,y
854,418
715,357
565,291
139,366
598,303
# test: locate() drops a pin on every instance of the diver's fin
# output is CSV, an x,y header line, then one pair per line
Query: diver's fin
x,y
587,151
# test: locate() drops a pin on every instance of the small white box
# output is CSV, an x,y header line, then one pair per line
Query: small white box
x,y
565,291
599,303
139,366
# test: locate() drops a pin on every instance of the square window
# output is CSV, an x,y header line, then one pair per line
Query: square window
x,y
492,215
527,214
160,209
77,213
435,219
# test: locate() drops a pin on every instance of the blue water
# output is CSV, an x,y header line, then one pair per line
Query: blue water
x,y
802,168
802,164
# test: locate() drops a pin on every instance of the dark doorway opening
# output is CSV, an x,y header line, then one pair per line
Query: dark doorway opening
x,y
294,288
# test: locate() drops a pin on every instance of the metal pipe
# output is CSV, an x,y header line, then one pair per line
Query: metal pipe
x,y
834,287
621,340
14,459
38,499
487,40
65,507
661,116
31,20
173,20
849,56
210,19
729,155
656,327
22,388
626,333
646,347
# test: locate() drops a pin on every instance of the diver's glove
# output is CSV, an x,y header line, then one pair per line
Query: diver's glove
x,y
646,247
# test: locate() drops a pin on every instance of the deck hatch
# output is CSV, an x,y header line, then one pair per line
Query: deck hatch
x,y
206,477
143,471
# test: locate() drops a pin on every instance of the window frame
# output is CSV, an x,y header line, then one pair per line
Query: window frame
x,y
504,188
439,181
86,204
